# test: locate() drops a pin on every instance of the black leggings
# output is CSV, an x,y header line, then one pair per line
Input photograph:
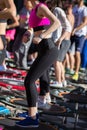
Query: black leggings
x,y
44,79
47,54
44,83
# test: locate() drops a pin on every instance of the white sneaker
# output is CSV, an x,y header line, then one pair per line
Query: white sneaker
x,y
56,84
48,99
41,102
64,83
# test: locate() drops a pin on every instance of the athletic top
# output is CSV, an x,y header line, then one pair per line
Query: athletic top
x,y
35,21
60,14
80,13
65,24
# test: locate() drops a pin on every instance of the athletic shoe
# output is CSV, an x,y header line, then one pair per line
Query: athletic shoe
x,y
69,71
48,99
28,122
64,83
82,70
56,84
24,114
41,102
75,77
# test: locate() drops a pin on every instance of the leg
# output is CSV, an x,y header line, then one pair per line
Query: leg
x,y
67,62
78,61
2,50
40,65
44,83
47,54
44,95
72,61
79,47
59,69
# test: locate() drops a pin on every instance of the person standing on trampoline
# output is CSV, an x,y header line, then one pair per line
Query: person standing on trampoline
x,y
7,11
43,22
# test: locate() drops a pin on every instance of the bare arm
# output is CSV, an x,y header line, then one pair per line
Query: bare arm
x,y
14,24
84,23
66,28
9,11
43,11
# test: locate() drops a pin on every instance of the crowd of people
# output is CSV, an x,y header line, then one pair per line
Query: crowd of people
x,y
49,32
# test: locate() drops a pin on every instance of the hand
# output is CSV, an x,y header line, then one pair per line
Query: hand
x,y
73,32
37,40
58,43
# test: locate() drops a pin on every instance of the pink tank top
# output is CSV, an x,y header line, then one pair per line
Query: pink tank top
x,y
35,21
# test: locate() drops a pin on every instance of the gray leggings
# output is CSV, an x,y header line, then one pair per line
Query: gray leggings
x,y
3,52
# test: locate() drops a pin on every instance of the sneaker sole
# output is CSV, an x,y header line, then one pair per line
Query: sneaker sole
x,y
27,126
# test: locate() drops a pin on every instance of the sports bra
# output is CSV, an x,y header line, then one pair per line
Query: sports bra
x,y
35,21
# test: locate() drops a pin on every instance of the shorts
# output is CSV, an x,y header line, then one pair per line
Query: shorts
x,y
72,48
64,47
79,42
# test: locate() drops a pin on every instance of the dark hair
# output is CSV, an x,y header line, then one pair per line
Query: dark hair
x,y
57,3
42,1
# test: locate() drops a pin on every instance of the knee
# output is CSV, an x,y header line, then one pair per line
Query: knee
x,y
28,82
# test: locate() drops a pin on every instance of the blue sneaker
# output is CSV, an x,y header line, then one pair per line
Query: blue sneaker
x,y
28,122
24,114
